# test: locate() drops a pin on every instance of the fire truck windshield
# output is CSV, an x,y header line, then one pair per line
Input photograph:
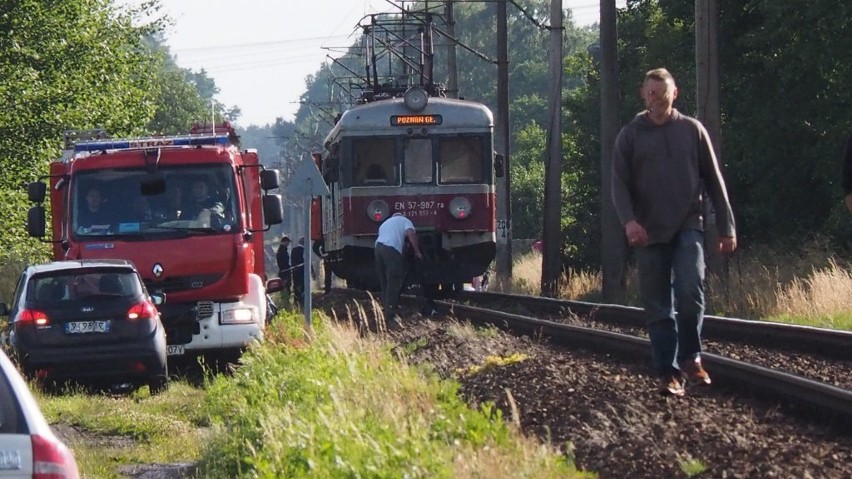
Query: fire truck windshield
x,y
114,202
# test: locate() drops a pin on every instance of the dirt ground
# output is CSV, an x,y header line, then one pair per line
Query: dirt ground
x,y
609,416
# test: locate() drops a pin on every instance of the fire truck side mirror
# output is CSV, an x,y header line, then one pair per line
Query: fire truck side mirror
x,y
269,179
158,298
36,191
273,209
499,165
36,223
274,285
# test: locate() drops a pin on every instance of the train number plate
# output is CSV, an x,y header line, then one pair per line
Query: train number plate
x,y
83,327
175,350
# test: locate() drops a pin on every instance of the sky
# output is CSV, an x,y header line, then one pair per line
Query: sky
x,y
262,52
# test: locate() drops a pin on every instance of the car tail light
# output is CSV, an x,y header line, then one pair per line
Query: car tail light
x,y
378,210
143,310
52,460
34,317
460,207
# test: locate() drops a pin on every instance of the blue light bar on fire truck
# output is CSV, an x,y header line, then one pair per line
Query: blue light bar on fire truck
x,y
153,142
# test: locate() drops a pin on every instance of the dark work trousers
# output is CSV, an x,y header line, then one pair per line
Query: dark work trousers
x,y
299,285
391,269
326,274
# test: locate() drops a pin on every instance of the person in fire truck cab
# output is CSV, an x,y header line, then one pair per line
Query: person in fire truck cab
x,y
93,215
141,210
172,209
202,206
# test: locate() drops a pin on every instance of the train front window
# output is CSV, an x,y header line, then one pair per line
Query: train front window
x,y
418,160
461,160
374,162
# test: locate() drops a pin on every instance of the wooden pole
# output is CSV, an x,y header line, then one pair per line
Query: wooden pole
x,y
501,144
613,243
551,267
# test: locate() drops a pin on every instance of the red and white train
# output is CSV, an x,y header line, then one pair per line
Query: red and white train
x,y
429,158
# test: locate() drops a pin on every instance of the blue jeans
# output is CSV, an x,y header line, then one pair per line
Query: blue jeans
x,y
673,274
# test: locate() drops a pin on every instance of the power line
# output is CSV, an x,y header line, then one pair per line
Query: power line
x,y
240,46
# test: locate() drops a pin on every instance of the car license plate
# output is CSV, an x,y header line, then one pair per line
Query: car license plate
x,y
175,350
83,327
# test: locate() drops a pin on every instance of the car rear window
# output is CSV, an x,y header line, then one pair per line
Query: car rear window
x,y
76,285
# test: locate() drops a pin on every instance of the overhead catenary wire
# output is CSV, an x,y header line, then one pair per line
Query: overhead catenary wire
x,y
225,58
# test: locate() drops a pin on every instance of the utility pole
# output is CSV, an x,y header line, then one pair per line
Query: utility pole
x,y
613,243
551,263
452,67
501,144
707,99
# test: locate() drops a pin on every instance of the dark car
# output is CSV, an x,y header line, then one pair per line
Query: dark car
x,y
88,321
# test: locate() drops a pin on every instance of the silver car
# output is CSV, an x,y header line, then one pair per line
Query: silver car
x,y
28,447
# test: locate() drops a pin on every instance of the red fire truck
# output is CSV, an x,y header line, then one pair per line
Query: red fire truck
x,y
189,211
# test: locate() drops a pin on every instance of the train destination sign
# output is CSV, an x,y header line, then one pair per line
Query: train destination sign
x,y
415,120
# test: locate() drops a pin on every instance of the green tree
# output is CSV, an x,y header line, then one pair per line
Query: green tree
x,y
787,101
178,103
63,63
785,104
80,64
528,182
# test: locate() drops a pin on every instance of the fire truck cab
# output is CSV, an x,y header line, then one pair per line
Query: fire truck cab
x,y
189,211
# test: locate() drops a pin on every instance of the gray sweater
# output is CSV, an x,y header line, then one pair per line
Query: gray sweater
x,y
659,174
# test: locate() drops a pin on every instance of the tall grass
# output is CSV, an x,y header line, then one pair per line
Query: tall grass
x,y
341,405
334,403
810,286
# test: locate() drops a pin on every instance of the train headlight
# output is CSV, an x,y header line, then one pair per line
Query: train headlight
x,y
415,98
460,207
378,210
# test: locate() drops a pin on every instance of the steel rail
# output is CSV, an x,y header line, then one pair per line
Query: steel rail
x,y
818,399
830,343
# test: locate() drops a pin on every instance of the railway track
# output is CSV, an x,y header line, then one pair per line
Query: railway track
x,y
828,343
602,405
792,389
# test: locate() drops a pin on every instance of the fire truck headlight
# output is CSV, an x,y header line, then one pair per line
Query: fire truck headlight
x,y
238,316
460,207
378,210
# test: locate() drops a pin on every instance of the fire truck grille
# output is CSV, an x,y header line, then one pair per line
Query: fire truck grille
x,y
204,309
177,284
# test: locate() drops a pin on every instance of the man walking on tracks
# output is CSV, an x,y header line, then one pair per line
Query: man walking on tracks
x,y
663,162
390,264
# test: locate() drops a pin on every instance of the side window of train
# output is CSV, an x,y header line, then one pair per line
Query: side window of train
x,y
461,160
373,162
418,160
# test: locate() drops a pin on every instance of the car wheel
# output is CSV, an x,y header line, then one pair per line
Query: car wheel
x,y
158,384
